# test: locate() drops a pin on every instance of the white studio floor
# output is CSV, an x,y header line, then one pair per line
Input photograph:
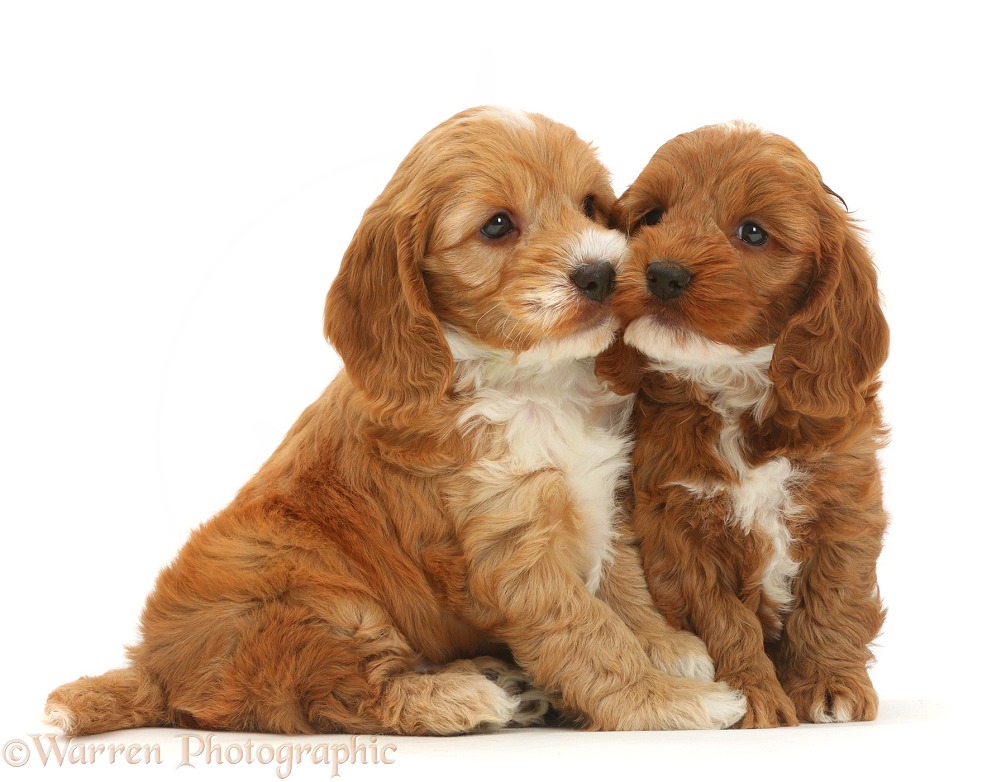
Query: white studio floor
x,y
908,739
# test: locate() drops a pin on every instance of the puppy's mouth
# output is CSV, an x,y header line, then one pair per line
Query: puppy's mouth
x,y
585,335
651,320
662,337
592,318
657,306
586,310
590,338
669,315
688,354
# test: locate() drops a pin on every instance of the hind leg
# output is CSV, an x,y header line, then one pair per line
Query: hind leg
x,y
337,666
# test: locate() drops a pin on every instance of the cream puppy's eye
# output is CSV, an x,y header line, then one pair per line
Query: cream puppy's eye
x,y
499,225
753,234
588,206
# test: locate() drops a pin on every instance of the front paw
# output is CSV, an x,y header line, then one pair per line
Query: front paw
x,y
662,702
534,703
768,707
681,653
834,697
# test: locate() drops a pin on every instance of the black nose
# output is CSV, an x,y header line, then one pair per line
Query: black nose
x,y
667,280
595,280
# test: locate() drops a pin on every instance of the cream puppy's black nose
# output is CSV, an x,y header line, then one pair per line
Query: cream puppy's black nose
x,y
667,280
596,280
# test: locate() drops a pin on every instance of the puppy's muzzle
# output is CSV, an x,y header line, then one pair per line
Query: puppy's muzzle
x,y
596,280
667,280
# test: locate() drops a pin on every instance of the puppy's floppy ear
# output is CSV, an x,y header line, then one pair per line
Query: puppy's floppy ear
x,y
829,353
621,366
378,316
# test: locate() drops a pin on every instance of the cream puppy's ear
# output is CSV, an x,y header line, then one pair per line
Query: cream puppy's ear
x,y
378,315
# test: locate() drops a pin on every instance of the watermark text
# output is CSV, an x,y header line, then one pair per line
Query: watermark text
x,y
205,749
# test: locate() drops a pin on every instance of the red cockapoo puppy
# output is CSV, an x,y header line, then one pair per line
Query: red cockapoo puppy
x,y
754,336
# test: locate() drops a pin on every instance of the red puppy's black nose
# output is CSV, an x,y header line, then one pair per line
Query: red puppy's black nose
x,y
667,280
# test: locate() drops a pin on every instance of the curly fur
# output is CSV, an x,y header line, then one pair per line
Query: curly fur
x,y
756,483
451,495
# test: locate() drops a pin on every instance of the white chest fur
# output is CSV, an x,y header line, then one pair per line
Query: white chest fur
x,y
555,417
762,498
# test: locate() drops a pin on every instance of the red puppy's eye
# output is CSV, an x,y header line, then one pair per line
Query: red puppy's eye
x,y
753,234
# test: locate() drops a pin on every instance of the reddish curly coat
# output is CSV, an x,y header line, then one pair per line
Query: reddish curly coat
x,y
755,475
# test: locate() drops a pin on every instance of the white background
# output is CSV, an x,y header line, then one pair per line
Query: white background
x,y
178,182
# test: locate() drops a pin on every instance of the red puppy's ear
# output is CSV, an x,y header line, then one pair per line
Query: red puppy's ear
x,y
378,317
829,354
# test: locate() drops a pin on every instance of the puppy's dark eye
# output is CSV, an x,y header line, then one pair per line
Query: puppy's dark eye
x,y
588,207
499,225
753,234
652,217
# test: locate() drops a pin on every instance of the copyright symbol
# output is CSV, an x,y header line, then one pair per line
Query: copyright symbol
x,y
16,753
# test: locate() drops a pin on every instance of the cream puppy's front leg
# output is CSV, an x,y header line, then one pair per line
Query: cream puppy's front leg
x,y
623,587
523,590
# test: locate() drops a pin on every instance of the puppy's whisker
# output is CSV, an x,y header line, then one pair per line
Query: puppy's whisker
x,y
482,316
510,324
523,333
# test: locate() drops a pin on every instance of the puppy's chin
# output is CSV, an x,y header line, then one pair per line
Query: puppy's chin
x,y
676,349
583,344
586,343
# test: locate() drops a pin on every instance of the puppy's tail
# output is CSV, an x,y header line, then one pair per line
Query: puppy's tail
x,y
122,698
